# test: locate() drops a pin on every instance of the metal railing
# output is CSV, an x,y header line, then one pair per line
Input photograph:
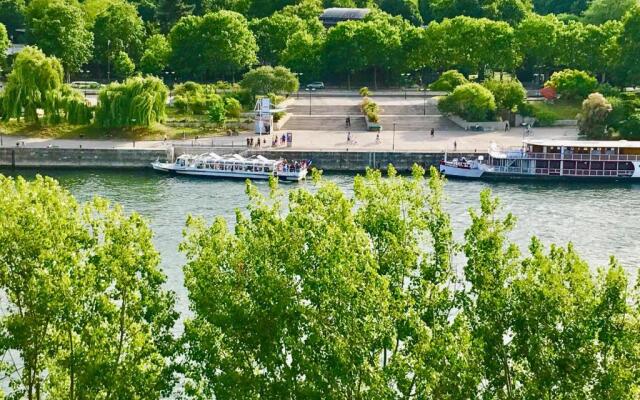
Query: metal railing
x,y
581,157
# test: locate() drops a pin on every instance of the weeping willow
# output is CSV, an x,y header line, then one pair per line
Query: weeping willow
x,y
135,102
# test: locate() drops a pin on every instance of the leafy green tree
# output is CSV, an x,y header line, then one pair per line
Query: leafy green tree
x,y
508,93
217,112
134,102
273,33
473,45
303,54
123,67
629,45
58,29
264,80
512,11
34,83
470,101
169,12
592,120
572,84
575,7
213,45
448,81
239,6
318,333
307,10
232,108
630,127
84,306
4,44
12,15
118,28
601,11
261,9
408,9
537,36
156,54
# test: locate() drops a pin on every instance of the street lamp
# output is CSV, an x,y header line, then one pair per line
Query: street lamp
x,y
424,100
393,143
405,78
310,90
298,74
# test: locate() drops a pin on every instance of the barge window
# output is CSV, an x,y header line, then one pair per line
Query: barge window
x,y
610,166
542,164
625,166
597,165
569,165
554,164
583,165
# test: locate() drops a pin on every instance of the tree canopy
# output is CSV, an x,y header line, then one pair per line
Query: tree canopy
x,y
134,102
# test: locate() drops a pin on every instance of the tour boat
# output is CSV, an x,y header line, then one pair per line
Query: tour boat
x,y
234,166
616,160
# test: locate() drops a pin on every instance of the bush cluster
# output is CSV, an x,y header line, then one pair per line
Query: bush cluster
x,y
370,109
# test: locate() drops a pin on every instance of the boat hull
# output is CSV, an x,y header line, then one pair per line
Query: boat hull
x,y
210,173
466,173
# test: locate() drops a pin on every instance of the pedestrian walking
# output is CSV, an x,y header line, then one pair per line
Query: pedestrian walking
x,y
455,145
433,132
349,137
378,141
507,126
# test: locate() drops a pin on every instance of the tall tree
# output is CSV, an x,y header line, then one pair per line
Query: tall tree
x,y
12,15
215,45
601,11
272,34
118,28
58,29
85,308
629,45
169,12
156,54
537,36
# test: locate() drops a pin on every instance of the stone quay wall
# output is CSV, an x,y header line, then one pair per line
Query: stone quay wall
x,y
81,158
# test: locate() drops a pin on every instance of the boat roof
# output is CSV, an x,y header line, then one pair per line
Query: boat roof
x,y
635,144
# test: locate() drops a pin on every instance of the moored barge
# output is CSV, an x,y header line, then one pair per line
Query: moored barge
x,y
579,159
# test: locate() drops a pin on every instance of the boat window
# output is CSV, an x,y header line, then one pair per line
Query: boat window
x,y
597,165
625,166
569,165
583,165
554,164
610,166
542,164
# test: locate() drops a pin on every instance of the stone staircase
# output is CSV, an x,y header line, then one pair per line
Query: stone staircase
x,y
302,109
417,123
324,123
410,109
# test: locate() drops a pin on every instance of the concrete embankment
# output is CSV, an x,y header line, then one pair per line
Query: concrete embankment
x,y
81,158
345,161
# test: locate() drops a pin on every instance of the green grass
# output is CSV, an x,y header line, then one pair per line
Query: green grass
x,y
559,109
66,131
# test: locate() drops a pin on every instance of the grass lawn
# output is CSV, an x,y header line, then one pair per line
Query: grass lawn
x,y
66,131
560,109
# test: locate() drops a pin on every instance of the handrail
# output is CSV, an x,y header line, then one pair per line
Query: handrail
x,y
578,157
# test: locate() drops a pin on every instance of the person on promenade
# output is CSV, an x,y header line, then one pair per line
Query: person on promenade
x,y
506,126
433,132
349,137
455,145
378,140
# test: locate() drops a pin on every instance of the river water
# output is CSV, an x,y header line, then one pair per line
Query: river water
x,y
600,219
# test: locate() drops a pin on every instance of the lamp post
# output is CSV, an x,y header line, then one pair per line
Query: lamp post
x,y
405,78
393,143
424,100
109,60
298,74
310,90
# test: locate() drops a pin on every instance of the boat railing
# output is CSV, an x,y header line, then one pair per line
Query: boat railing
x,y
582,172
582,157
512,170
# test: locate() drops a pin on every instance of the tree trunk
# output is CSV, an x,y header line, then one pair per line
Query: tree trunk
x,y
375,78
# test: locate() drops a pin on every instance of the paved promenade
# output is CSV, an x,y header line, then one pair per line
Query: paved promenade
x,y
330,141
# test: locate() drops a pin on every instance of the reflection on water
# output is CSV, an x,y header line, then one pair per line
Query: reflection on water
x,y
600,219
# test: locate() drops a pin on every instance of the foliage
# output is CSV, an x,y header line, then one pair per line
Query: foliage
x,y
77,111
630,127
230,46
572,84
4,44
34,83
135,102
592,121
508,93
537,37
303,54
629,46
263,80
364,91
511,11
12,14
408,9
448,81
83,302
217,112
123,67
601,11
156,55
273,33
117,29
470,101
58,29
545,117
560,6
232,108
370,109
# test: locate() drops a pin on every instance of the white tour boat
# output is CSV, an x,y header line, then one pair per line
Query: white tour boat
x,y
583,159
234,166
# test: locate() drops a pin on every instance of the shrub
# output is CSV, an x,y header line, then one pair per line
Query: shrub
x,y
278,116
268,79
232,107
470,101
217,112
508,93
545,118
448,81
135,102
364,91
194,98
573,84
630,128
592,121
123,67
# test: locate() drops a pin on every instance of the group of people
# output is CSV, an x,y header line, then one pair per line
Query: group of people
x,y
256,142
295,166
281,141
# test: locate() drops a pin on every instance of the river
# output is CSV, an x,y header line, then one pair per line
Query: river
x,y
600,219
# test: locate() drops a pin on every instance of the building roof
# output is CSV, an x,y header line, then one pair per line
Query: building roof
x,y
344,13
584,143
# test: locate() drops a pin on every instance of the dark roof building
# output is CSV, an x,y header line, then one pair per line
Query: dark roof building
x,y
332,16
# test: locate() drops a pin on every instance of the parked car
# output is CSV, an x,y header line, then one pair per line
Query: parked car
x,y
315,85
85,85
